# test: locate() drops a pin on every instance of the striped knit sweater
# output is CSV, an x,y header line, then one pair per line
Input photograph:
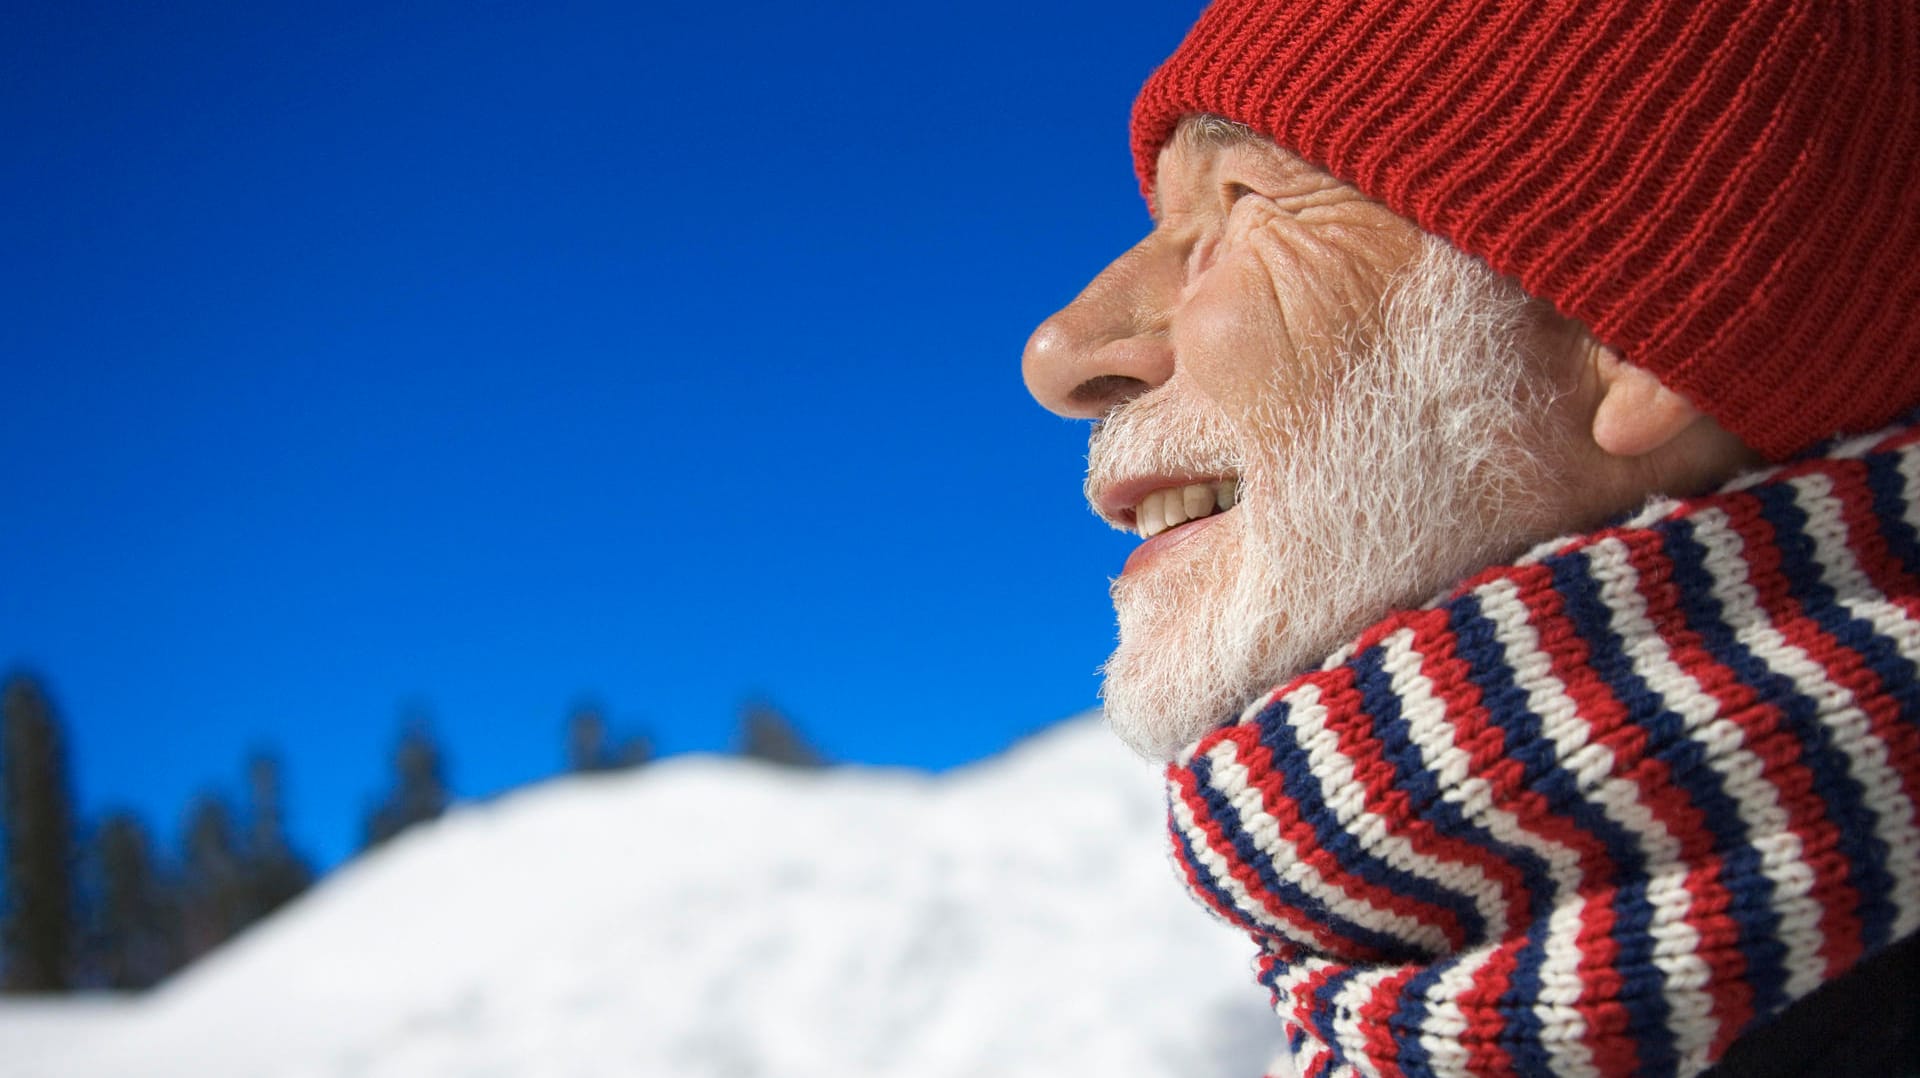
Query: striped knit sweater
x,y
1600,811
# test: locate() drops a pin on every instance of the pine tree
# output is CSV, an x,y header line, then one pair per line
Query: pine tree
x,y
633,751
39,937
420,790
587,740
275,873
136,925
767,734
590,747
213,883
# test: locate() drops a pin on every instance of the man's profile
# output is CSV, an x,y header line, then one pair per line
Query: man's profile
x,y
1515,404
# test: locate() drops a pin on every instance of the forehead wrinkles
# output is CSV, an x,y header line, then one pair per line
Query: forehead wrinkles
x,y
1186,162
1202,145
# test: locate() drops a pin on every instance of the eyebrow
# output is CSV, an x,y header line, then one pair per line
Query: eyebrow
x,y
1204,130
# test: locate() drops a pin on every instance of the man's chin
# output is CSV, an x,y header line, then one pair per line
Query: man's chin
x,y
1158,732
1159,700
1150,737
1194,640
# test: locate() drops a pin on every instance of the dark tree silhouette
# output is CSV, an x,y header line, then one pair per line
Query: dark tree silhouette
x,y
39,937
590,747
767,734
214,877
135,940
587,740
420,791
275,873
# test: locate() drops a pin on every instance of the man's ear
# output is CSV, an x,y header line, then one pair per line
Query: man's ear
x,y
1636,414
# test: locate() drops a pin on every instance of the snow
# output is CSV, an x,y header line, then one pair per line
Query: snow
x,y
36,1033
713,918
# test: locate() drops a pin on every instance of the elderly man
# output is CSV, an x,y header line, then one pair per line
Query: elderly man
x,y
1513,401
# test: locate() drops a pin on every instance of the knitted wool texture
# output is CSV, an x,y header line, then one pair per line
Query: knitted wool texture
x,y
1722,190
1598,812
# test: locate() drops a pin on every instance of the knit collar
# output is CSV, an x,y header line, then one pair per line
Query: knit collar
x,y
1597,812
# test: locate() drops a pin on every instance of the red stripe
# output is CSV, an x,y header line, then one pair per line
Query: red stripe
x,y
1388,805
1481,1005
1190,873
1708,910
1375,1022
1762,726
1820,833
1568,656
1448,674
1901,590
1322,938
1307,1002
1846,668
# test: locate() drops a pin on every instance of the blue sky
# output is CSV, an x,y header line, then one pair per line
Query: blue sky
x,y
491,357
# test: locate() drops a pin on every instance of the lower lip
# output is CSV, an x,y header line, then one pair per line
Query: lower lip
x,y
1157,547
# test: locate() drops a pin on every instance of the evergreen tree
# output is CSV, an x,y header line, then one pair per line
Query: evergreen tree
x,y
39,935
587,748
590,747
275,872
420,791
767,734
214,886
136,926
633,750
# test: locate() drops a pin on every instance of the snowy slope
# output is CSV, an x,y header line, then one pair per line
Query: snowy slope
x,y
711,918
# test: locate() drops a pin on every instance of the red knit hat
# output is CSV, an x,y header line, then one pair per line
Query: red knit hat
x,y
1727,191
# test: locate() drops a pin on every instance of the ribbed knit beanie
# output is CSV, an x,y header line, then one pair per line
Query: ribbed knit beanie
x,y
1726,191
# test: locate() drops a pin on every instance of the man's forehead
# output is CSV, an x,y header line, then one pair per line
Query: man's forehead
x,y
1204,139
1206,131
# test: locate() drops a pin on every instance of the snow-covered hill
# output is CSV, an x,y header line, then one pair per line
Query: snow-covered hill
x,y
708,918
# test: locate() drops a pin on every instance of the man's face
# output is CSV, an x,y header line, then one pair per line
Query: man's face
x,y
1310,411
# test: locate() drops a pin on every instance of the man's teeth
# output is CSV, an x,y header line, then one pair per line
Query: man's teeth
x,y
1171,506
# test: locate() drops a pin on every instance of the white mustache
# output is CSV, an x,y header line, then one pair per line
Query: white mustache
x,y
1158,433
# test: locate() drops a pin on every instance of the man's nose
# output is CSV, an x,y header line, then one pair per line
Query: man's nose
x,y
1110,344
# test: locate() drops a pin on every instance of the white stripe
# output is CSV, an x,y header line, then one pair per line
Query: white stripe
x,y
1561,985
1446,1023
1724,749
1432,729
1345,795
1782,858
1346,1016
1676,947
1291,993
1867,761
1220,873
1290,862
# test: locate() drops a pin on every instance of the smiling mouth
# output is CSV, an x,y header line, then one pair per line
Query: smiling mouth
x,y
1169,507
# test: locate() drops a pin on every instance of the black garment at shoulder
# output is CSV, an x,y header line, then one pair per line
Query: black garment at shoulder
x,y
1864,1025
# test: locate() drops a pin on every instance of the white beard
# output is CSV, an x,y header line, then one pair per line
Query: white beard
x,y
1433,456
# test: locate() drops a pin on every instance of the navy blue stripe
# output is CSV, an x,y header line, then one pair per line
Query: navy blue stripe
x,y
1486,661
1290,761
1847,800
1390,948
1592,619
1184,850
1411,1017
1541,772
1530,1055
1752,892
1324,1012
1891,508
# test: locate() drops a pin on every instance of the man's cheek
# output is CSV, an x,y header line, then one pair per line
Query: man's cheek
x,y
1234,347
